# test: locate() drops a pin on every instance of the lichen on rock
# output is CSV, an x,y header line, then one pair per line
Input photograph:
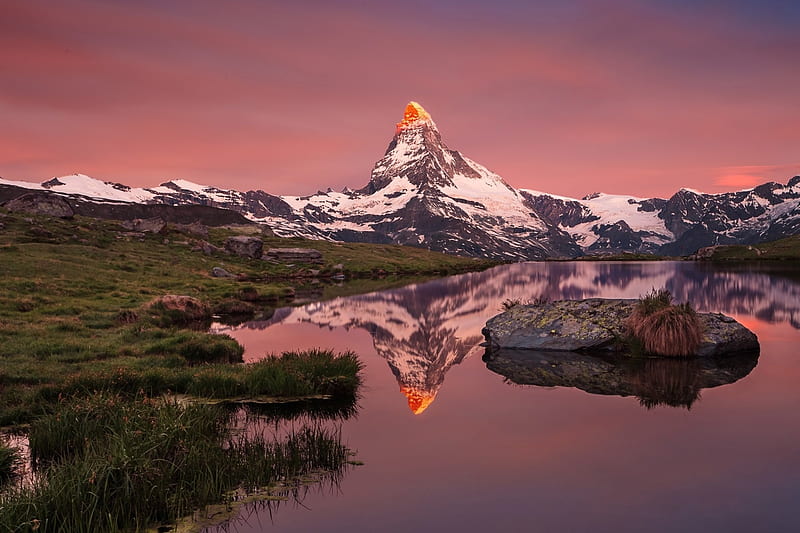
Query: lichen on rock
x,y
598,324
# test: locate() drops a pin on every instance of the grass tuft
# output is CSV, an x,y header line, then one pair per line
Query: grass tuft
x,y
10,463
113,463
662,328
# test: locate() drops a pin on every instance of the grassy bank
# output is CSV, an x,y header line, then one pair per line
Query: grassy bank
x,y
74,298
117,385
787,249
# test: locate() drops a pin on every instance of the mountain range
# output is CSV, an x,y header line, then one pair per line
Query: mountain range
x,y
421,193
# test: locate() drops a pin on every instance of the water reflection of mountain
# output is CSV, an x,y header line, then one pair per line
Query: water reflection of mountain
x,y
654,381
423,330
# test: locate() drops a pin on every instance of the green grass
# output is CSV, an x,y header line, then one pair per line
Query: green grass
x,y
74,305
787,249
358,259
294,375
112,463
100,374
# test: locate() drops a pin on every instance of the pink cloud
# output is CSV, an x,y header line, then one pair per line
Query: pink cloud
x,y
741,181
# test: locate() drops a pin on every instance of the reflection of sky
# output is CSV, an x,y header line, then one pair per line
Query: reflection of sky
x,y
491,456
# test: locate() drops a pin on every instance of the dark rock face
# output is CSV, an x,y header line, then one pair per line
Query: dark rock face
x,y
616,238
597,324
654,381
558,211
245,246
293,255
41,204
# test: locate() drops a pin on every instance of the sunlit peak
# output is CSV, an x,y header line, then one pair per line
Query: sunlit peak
x,y
418,400
413,114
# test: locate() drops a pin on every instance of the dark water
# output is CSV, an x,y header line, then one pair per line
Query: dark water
x,y
525,445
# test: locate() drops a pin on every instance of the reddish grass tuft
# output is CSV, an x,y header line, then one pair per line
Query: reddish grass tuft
x,y
663,328
648,304
674,330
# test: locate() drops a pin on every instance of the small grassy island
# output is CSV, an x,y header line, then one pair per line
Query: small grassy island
x,y
107,366
786,249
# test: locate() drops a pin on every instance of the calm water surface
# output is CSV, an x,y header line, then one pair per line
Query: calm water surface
x,y
451,445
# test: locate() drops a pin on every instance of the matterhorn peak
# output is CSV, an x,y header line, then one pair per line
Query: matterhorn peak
x,y
414,115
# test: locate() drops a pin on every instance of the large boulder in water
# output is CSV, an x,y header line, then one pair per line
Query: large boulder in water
x,y
598,324
41,203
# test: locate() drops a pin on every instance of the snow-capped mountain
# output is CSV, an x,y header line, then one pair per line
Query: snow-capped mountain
x,y
423,194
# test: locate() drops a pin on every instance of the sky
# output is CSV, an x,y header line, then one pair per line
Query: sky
x,y
570,97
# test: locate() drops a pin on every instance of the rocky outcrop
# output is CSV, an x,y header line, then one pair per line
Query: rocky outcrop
x,y
245,246
219,272
294,255
144,225
196,228
654,381
598,324
180,308
40,204
723,335
207,248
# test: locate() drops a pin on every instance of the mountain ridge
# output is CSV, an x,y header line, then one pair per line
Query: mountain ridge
x,y
422,193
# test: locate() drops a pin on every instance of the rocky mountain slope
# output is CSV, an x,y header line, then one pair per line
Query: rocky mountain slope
x,y
421,193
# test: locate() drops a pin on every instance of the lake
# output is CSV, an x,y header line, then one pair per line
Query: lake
x,y
449,444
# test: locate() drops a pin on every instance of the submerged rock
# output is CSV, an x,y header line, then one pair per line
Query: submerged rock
x,y
598,324
654,380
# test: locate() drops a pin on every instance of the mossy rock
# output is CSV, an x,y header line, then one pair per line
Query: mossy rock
x,y
598,324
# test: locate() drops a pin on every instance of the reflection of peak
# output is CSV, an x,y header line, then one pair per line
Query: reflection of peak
x,y
424,330
418,400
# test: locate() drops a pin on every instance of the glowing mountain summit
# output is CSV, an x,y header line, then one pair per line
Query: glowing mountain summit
x,y
413,116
